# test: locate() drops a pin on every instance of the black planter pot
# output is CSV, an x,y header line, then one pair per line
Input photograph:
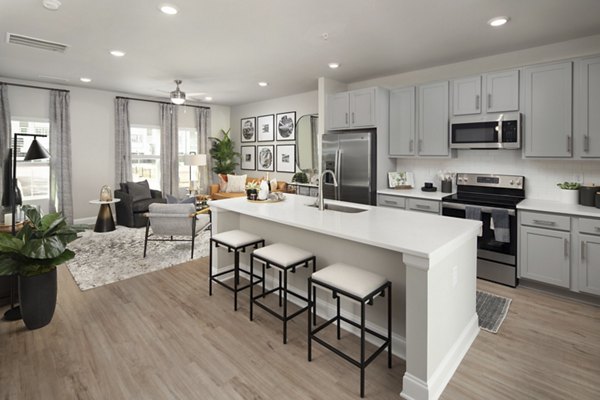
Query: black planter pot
x,y
37,297
251,194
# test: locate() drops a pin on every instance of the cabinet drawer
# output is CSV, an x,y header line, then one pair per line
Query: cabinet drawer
x,y
391,201
431,206
589,225
541,220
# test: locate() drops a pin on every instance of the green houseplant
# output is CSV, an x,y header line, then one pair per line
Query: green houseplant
x,y
569,192
223,154
33,254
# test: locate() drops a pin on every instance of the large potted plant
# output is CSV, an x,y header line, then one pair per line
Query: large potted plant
x,y
223,154
33,254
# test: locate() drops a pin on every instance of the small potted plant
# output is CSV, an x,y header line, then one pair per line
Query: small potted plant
x,y
252,190
300,177
569,192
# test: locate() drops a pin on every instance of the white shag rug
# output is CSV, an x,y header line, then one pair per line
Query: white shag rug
x,y
103,258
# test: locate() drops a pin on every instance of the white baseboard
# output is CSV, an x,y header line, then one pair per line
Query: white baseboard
x,y
85,221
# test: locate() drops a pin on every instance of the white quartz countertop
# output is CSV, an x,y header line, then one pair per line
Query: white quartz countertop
x,y
558,207
416,193
419,234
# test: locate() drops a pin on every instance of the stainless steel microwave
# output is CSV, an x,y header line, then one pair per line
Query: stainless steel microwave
x,y
486,132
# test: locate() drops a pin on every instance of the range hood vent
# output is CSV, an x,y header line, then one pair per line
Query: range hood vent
x,y
28,41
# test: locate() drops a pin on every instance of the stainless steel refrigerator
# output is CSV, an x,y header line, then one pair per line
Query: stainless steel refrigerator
x,y
351,155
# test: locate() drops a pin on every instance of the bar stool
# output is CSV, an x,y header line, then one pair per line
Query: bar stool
x,y
235,241
361,286
285,258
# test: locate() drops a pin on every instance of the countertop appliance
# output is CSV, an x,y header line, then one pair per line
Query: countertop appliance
x,y
351,156
486,132
484,193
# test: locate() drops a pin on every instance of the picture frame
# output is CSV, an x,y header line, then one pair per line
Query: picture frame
x,y
401,180
265,131
265,159
285,126
248,158
248,130
286,158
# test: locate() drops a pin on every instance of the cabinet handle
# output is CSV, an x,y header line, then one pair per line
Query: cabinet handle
x,y
390,202
489,101
346,118
583,244
568,143
586,143
422,206
420,145
566,243
352,116
477,102
542,222
410,146
597,228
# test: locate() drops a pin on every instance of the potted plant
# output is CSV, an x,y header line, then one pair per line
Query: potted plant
x,y
252,190
300,177
33,254
569,192
223,154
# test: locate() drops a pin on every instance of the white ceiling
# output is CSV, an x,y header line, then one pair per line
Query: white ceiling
x,y
224,47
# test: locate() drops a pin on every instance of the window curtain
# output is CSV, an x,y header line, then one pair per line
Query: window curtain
x,y
5,132
122,142
61,193
169,157
203,128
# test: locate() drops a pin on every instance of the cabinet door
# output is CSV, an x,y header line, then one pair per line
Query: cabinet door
x,y
502,91
339,110
466,98
433,120
545,255
589,264
402,122
547,110
588,135
362,108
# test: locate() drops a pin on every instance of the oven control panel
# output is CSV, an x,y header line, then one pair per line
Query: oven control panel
x,y
491,180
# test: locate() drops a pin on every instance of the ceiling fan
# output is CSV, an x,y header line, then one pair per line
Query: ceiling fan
x,y
179,97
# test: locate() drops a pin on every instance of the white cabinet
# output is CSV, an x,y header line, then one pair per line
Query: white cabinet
x,y
589,264
502,91
432,127
548,110
466,97
545,255
409,203
354,109
587,139
402,122
430,206
386,200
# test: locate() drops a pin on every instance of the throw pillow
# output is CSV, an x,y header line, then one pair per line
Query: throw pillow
x,y
175,200
139,190
273,184
222,183
236,183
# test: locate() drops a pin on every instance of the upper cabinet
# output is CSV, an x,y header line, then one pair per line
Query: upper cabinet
x,y
466,98
354,109
403,122
547,108
432,126
501,91
587,108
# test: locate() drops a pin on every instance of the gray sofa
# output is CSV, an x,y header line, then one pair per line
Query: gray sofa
x,y
136,198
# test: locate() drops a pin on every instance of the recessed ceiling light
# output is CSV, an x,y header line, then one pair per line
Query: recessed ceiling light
x,y
51,5
498,21
334,65
208,98
86,80
263,84
169,9
117,53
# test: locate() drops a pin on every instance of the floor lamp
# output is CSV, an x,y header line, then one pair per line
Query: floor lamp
x,y
35,152
194,160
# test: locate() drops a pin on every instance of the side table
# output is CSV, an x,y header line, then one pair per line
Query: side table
x,y
105,221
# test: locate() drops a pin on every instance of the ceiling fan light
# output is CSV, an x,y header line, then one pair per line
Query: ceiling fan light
x,y
177,96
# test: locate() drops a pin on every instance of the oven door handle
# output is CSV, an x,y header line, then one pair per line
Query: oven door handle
x,y
459,206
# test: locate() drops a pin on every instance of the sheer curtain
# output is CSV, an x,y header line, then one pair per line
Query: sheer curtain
x,y
122,142
61,193
5,134
203,128
169,157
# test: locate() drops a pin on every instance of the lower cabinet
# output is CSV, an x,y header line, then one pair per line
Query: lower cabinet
x,y
545,255
589,264
409,203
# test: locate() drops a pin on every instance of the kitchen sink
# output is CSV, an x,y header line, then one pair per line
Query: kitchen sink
x,y
336,207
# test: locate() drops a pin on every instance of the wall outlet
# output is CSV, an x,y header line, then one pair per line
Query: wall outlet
x,y
454,276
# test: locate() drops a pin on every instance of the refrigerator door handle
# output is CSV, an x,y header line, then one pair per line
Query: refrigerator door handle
x,y
338,173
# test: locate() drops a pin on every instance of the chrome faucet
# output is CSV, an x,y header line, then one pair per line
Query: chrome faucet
x,y
320,200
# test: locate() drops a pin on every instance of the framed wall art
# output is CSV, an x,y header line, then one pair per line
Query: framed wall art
x,y
286,158
265,128
285,126
248,129
248,158
265,158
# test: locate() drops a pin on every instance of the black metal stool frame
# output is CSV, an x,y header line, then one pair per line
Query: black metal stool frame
x,y
284,317
362,363
236,269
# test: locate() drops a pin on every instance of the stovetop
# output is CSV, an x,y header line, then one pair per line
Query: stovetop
x,y
488,190
477,199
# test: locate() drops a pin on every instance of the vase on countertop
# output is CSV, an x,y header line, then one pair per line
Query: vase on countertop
x,y
569,196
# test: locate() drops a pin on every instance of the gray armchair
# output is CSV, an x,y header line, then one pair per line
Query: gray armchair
x,y
135,200
175,221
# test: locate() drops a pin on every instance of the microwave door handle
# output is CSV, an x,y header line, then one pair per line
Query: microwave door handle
x,y
500,141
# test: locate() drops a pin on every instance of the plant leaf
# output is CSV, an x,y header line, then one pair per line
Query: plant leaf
x,y
9,243
8,266
43,248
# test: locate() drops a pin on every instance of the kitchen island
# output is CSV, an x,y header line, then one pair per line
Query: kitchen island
x,y
430,260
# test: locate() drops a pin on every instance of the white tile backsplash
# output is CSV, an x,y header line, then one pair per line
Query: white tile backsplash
x,y
541,176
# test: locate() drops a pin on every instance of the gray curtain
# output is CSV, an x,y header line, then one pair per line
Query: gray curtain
x,y
169,157
61,193
5,131
204,145
122,142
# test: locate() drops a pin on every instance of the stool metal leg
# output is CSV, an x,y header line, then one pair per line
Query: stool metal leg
x,y
210,267
279,288
389,290
308,317
264,282
339,321
284,307
362,349
314,295
251,284
236,278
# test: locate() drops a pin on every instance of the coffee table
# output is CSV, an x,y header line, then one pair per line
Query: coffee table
x,y
105,221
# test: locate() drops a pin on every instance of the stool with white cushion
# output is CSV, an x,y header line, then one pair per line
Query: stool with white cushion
x,y
235,241
285,258
361,286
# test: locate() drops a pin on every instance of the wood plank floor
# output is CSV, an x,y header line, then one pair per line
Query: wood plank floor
x,y
160,336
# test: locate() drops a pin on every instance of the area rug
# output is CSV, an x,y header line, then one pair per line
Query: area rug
x,y
103,258
491,310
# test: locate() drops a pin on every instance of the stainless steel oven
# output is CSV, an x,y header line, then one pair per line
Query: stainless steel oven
x,y
486,132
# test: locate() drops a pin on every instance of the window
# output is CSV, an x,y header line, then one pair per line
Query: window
x,y
33,176
145,154
188,143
